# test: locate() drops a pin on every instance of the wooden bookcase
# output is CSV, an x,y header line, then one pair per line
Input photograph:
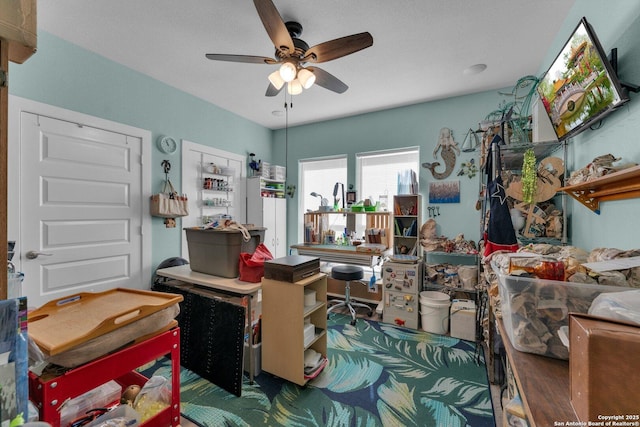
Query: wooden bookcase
x,y
283,317
406,224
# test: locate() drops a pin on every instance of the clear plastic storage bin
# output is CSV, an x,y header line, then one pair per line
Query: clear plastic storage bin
x,y
217,252
534,310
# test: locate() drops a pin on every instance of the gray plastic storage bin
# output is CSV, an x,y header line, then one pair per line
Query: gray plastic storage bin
x,y
217,252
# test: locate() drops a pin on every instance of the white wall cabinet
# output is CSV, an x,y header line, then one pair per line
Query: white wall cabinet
x,y
267,207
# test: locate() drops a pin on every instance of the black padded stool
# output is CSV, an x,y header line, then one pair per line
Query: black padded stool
x,y
347,273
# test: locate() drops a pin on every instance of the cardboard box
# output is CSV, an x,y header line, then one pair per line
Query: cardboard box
x,y
603,367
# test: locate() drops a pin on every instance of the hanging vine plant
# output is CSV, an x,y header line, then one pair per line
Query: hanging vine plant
x,y
529,176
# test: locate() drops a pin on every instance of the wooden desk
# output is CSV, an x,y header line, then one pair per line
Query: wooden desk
x,y
184,273
543,383
340,254
226,285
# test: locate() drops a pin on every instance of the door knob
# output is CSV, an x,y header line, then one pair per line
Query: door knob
x,y
35,254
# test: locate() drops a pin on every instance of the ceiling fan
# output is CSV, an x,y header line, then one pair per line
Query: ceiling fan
x,y
293,54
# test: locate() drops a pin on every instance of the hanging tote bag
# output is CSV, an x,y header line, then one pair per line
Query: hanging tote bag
x,y
168,203
500,234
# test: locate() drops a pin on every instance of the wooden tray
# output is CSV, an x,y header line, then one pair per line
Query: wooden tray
x,y
67,322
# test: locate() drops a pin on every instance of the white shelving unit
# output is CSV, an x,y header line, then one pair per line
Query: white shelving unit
x,y
217,192
267,207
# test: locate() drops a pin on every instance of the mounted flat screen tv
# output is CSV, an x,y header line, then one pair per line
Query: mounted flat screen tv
x,y
581,86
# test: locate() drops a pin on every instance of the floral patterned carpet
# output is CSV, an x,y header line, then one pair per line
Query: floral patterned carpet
x,y
378,375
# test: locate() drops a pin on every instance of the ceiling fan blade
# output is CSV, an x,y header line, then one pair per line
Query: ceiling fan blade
x,y
272,91
241,58
274,25
328,81
337,48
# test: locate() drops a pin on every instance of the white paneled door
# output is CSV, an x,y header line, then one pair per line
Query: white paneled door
x,y
81,209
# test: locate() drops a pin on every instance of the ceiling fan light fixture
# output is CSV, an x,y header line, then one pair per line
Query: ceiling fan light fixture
x,y
288,71
294,87
276,80
306,77
474,69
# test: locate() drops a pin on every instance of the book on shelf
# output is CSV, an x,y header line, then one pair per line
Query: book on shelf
x,y
413,229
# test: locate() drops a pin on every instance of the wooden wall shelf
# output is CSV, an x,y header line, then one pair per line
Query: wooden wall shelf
x,y
624,184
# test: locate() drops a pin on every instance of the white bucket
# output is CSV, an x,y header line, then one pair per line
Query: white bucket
x,y
434,308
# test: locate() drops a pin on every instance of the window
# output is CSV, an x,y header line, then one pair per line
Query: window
x,y
320,176
377,172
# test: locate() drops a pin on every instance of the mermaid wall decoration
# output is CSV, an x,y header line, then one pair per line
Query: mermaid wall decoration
x,y
448,149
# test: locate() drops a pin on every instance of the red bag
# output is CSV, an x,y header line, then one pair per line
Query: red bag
x,y
252,265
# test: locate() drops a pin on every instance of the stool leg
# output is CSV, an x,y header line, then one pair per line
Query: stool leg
x,y
353,314
347,292
339,304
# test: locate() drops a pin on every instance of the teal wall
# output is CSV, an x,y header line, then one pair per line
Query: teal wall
x,y
67,76
416,125
73,78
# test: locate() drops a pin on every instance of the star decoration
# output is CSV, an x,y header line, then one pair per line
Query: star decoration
x,y
500,193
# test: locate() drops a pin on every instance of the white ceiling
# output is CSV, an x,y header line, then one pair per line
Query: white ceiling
x,y
420,48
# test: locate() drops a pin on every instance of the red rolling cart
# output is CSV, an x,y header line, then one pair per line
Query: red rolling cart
x,y
49,394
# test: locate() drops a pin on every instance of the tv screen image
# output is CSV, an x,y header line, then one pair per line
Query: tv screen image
x,y
580,87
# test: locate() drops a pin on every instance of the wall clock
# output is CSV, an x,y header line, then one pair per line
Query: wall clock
x,y
167,144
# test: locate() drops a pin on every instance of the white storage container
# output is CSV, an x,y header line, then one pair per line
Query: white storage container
x,y
309,297
309,333
265,170
278,172
463,319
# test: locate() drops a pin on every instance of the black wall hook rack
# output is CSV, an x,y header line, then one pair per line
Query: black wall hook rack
x,y
166,164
